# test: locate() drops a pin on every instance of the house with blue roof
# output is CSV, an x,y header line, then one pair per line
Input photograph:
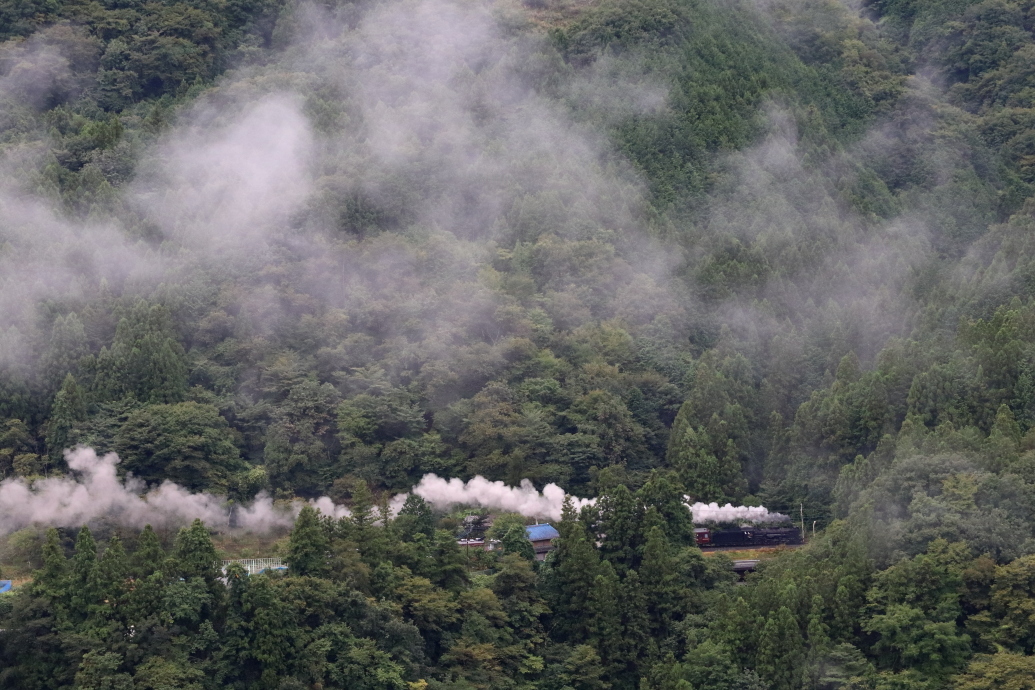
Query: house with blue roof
x,y
542,537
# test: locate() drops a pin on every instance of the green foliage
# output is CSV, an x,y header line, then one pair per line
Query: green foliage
x,y
189,443
68,411
780,650
307,550
515,540
1007,623
145,360
1005,671
843,326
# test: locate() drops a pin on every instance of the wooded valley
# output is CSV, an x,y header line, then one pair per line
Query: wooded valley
x,y
776,253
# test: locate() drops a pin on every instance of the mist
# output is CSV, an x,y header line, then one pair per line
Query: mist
x,y
429,120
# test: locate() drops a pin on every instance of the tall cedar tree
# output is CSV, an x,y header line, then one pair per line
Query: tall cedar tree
x,y
308,545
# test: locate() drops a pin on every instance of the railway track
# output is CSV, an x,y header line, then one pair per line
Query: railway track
x,y
760,547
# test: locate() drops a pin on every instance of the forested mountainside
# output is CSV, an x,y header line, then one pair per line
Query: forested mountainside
x,y
776,253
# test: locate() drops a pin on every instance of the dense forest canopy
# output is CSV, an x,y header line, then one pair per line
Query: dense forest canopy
x,y
776,253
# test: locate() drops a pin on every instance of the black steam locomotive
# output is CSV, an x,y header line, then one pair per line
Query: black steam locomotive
x,y
747,536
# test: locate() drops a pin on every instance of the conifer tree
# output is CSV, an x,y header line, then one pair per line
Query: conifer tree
x,y
149,556
708,469
109,581
274,632
846,614
68,410
308,545
194,556
604,614
369,536
449,569
515,586
818,639
664,493
574,565
144,361
234,650
621,519
661,586
166,376
66,347
667,674
100,671
818,632
635,638
361,506
415,517
82,581
584,670
143,606
780,650
51,580
738,627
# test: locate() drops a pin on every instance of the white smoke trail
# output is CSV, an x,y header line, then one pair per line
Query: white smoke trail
x,y
524,499
479,491
97,492
713,512
328,507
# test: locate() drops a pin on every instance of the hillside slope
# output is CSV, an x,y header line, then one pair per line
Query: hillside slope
x,y
770,253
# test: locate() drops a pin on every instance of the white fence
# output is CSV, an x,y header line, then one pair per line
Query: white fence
x,y
254,566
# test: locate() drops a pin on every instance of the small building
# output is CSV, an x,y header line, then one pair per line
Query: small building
x,y
542,537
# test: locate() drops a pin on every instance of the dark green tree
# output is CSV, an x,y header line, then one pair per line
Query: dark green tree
x,y
604,613
415,517
621,521
781,651
308,545
82,582
51,581
149,556
68,411
145,361
571,577
189,443
663,589
194,555
515,540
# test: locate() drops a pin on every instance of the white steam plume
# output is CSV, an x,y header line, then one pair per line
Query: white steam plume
x,y
713,512
479,491
524,499
98,493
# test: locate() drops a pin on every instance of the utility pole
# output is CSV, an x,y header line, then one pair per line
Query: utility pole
x,y
801,509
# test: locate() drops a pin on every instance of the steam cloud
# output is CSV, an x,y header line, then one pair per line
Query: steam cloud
x,y
523,499
713,512
98,493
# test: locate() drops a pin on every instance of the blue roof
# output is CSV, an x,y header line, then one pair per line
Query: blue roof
x,y
541,532
5,585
